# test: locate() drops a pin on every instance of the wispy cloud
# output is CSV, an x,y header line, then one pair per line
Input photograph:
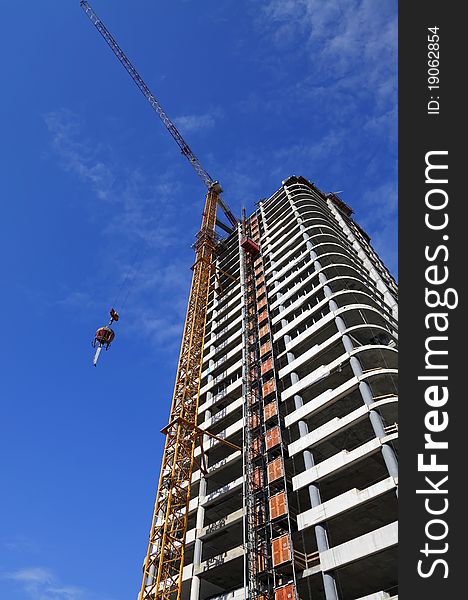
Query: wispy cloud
x,y
142,208
39,583
36,575
191,123
76,155
157,301
19,544
332,65
349,49
339,37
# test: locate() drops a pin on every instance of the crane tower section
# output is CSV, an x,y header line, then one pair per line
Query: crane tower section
x,y
164,561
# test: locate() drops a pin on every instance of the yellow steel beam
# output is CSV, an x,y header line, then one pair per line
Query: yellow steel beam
x,y
162,575
199,432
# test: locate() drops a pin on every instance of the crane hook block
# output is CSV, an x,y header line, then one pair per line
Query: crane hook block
x,y
104,336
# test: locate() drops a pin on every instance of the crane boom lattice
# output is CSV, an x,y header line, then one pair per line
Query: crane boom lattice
x,y
120,54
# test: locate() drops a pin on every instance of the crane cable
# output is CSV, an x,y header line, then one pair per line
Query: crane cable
x,y
134,268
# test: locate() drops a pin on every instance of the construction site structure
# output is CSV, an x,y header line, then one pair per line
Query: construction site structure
x,y
299,370
279,474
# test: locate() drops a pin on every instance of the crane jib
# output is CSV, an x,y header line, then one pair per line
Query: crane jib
x,y
172,129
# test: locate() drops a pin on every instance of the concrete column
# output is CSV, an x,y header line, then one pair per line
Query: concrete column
x,y
213,322
388,454
313,254
198,549
376,420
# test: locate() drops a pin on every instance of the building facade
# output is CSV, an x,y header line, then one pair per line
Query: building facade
x,y
299,375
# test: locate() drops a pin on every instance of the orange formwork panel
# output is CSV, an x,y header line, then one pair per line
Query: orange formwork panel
x,y
262,303
265,330
268,387
281,550
262,315
275,469
267,365
260,291
277,505
270,410
264,348
260,278
287,592
272,438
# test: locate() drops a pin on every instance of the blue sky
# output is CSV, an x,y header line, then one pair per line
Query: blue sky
x,y
94,189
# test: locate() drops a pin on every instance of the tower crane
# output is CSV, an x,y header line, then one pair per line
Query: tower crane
x,y
162,571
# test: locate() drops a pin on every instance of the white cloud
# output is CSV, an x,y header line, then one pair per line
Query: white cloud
x,y
36,575
156,302
39,583
77,156
348,31
346,42
350,48
142,207
191,123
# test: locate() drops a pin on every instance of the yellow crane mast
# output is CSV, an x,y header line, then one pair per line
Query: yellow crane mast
x,y
165,557
162,573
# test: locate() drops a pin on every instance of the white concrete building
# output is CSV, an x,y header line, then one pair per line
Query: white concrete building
x,y
323,442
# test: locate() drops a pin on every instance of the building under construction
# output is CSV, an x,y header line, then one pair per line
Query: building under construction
x,y
279,475
299,373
